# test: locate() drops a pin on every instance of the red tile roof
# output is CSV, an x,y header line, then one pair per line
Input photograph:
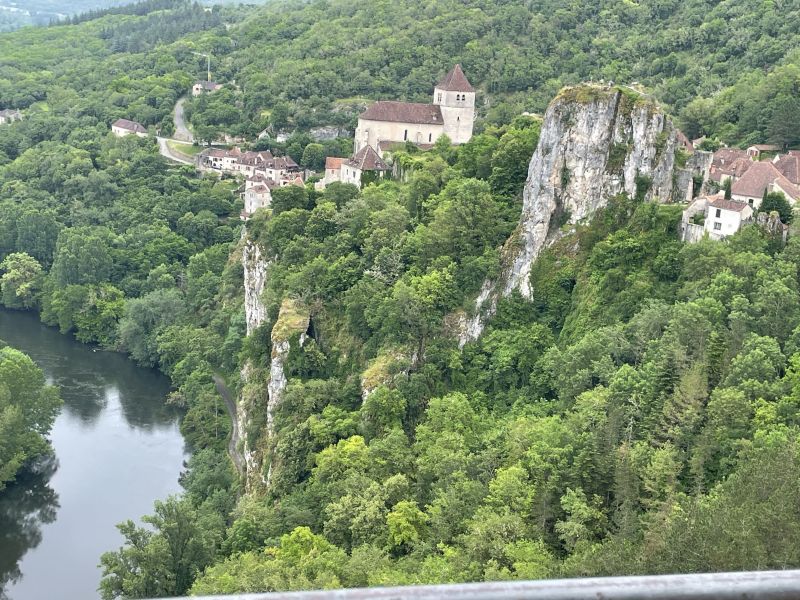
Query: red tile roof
x,y
725,156
760,177
333,162
403,112
129,125
455,81
789,166
368,160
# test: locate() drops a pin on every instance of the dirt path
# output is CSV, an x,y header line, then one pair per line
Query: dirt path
x,y
236,435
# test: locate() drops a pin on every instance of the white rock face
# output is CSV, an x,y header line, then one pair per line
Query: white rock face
x,y
255,277
596,142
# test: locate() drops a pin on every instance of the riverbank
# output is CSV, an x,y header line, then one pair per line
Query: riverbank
x,y
117,448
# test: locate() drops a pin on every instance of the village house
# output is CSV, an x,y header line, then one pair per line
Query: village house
x,y
282,170
205,87
726,217
729,163
9,115
219,159
366,161
756,150
763,177
452,113
720,218
123,127
256,196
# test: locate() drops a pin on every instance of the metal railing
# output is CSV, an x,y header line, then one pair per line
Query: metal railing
x,y
756,585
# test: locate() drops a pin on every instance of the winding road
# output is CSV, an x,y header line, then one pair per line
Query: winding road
x,y
182,133
236,435
167,152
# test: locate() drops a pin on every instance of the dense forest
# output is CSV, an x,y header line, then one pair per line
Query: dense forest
x,y
644,403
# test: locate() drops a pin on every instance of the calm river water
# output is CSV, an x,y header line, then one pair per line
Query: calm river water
x,y
117,449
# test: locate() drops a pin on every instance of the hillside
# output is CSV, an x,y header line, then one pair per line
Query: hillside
x,y
626,398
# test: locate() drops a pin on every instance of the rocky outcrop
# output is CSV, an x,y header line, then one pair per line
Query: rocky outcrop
x,y
596,142
255,277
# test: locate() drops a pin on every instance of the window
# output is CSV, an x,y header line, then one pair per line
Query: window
x,y
750,202
440,97
430,136
405,135
717,226
719,212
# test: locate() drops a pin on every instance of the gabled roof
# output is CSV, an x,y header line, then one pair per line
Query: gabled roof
x,y
728,205
455,81
760,177
368,160
789,166
10,112
129,125
403,112
333,162
764,147
725,156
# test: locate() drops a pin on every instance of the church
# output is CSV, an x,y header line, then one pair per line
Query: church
x,y
387,123
452,114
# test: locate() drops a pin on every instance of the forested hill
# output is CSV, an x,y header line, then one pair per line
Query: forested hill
x,y
642,405
744,54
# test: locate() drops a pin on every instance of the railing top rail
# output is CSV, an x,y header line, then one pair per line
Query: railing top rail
x,y
756,585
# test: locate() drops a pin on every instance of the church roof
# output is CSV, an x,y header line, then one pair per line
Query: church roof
x,y
455,81
368,160
404,112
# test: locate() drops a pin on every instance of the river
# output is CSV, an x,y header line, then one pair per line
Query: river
x,y
117,449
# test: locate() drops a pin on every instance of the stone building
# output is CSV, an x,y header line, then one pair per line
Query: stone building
x,y
451,113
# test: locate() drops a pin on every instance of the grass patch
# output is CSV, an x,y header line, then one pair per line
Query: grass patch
x,y
292,320
187,149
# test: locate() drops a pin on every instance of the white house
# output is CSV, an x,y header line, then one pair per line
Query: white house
x,y
255,197
9,116
333,172
123,127
366,160
203,87
725,217
452,113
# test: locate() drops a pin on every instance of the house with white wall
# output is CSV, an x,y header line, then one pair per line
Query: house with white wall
x,y
205,87
366,161
726,217
123,127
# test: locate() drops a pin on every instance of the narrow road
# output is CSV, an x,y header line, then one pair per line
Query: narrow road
x,y
167,152
182,133
236,435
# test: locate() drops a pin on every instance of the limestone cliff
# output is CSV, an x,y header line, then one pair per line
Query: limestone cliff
x,y
262,389
595,142
255,269
255,277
